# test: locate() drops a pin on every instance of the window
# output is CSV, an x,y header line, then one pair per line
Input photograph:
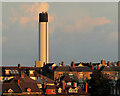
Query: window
x,y
28,90
69,83
59,90
31,71
7,72
10,91
53,91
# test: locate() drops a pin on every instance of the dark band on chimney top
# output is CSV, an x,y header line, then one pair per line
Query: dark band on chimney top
x,y
43,17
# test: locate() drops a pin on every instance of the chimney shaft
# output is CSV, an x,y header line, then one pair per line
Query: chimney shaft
x,y
86,89
108,63
73,84
63,63
18,82
92,67
73,64
91,63
63,84
19,66
103,62
118,63
43,38
98,67
41,77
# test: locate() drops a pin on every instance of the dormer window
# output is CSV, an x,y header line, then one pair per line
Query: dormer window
x,y
28,89
31,72
39,85
7,72
59,90
10,90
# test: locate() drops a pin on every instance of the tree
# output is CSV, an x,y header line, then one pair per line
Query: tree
x,y
99,83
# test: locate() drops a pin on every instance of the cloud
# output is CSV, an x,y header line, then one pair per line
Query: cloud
x,y
31,12
3,25
24,20
86,23
113,36
2,39
14,18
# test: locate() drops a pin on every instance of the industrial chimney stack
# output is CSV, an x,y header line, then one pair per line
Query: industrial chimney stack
x,y
43,39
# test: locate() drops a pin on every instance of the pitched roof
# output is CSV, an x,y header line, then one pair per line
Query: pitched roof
x,y
67,79
23,84
51,87
77,69
13,86
111,68
45,79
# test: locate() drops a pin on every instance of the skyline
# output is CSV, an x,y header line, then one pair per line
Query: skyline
x,y
93,19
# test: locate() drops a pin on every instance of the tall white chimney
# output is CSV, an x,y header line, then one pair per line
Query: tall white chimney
x,y
43,38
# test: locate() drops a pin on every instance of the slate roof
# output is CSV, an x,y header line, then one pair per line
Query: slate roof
x,y
67,79
23,84
45,79
77,69
13,86
111,68
51,87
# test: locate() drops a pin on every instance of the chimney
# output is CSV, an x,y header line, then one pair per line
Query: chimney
x,y
63,63
63,84
44,85
22,76
41,77
43,37
103,62
52,68
18,82
108,63
91,63
118,63
41,69
19,66
73,84
73,64
86,88
92,67
98,67
59,78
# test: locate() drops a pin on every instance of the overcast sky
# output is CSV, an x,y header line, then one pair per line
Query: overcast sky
x,y
82,32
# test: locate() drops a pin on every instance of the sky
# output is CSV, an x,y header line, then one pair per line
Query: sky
x,y
80,32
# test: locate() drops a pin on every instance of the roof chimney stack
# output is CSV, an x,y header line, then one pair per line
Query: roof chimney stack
x,y
91,64
108,64
19,66
63,84
103,62
118,63
73,64
63,63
